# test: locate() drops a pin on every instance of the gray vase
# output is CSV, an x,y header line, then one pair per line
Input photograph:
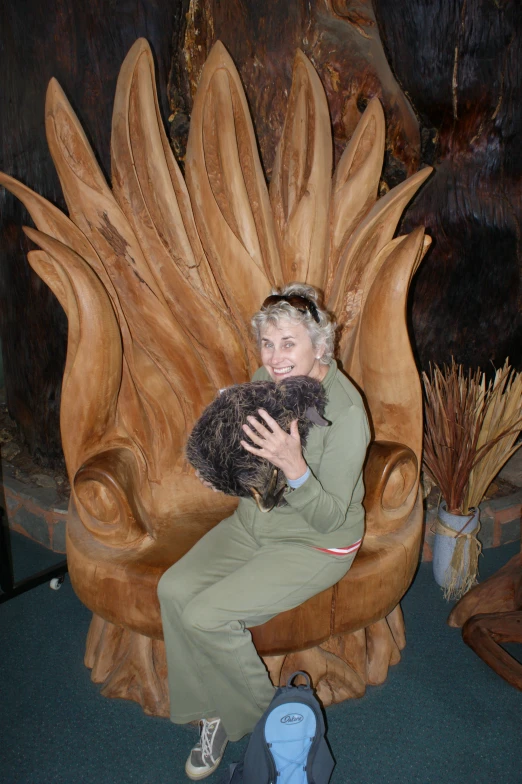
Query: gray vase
x,y
444,546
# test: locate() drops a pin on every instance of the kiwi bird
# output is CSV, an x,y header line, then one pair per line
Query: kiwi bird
x,y
214,446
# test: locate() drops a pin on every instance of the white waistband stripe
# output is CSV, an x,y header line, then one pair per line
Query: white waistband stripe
x,y
341,550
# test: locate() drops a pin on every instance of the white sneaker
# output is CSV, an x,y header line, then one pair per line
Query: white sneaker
x,y
207,754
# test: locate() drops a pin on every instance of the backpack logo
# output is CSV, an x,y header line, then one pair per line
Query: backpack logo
x,y
292,718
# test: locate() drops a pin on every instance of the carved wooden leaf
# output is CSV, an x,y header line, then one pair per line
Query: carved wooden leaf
x,y
140,423
301,179
140,411
388,370
50,220
138,135
94,356
228,191
124,424
350,343
354,305
94,210
356,180
50,273
149,188
356,266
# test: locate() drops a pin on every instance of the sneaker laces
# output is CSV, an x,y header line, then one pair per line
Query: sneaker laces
x,y
206,736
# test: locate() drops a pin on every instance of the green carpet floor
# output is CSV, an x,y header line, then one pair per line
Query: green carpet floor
x,y
442,717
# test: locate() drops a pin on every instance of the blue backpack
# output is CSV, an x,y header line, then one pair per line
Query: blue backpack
x,y
288,744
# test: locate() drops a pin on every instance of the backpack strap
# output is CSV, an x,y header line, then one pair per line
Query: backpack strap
x,y
294,675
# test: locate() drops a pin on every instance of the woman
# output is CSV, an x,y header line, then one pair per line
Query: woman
x,y
252,566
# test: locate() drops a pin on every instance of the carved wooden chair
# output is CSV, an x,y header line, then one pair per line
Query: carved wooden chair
x,y
159,279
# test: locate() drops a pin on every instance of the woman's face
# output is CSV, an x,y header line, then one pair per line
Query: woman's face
x,y
287,350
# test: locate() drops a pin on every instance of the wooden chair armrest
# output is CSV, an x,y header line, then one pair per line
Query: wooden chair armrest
x,y
106,494
391,479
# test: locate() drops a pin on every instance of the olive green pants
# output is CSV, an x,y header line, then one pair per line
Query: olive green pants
x,y
228,582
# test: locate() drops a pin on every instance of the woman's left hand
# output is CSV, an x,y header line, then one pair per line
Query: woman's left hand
x,y
282,449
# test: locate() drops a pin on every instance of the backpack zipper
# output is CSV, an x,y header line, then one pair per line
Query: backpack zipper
x,y
272,767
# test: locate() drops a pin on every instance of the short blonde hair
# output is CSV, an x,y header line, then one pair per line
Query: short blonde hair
x,y
322,333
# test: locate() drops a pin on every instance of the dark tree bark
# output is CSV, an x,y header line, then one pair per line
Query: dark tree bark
x,y
341,40
460,63
82,45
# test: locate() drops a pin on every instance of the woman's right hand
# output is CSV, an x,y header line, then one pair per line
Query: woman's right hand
x,y
205,483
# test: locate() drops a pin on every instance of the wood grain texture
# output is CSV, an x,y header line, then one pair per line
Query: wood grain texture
x,y
156,203
362,258
356,181
301,180
486,634
159,281
228,190
500,593
128,665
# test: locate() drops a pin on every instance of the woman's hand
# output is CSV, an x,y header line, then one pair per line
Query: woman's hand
x,y
271,442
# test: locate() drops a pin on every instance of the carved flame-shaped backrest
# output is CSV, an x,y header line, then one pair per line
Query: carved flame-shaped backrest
x,y
159,278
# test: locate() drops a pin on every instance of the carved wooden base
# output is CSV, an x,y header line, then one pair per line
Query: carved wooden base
x,y
491,614
343,666
129,665
133,667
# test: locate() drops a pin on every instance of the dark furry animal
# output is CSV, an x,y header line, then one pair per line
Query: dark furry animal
x,y
214,447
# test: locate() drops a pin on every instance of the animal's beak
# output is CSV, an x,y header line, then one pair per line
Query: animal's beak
x,y
315,417
260,501
267,500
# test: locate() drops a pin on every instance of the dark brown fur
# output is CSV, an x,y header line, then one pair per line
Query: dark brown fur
x,y
214,446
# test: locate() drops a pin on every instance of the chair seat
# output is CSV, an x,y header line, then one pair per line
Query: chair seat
x,y
375,584
122,590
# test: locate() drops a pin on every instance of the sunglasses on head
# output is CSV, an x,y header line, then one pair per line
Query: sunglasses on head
x,y
302,304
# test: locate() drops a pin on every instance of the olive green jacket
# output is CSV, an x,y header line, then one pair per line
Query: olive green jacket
x,y
326,511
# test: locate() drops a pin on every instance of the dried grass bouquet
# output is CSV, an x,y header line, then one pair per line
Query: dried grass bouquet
x,y
469,433
470,430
